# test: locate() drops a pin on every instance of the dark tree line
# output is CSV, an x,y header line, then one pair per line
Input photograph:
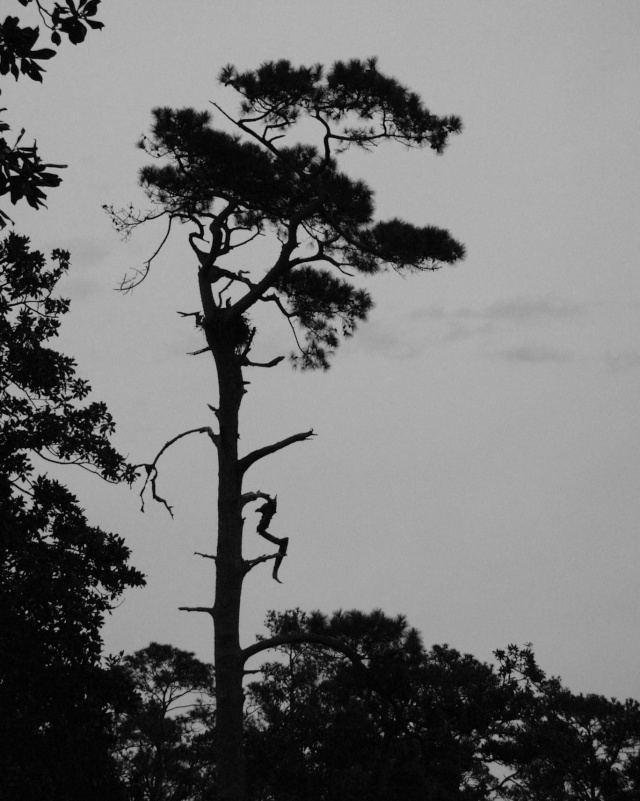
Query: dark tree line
x,y
407,722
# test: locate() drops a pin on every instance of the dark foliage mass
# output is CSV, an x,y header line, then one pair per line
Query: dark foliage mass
x,y
399,722
59,575
23,174
258,179
423,723
163,745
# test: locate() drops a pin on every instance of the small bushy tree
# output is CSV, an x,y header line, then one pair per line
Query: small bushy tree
x,y
164,745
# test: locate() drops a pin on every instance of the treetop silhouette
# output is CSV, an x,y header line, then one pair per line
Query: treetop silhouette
x,y
245,184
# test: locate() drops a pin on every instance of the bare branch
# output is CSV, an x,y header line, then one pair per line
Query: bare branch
x,y
275,299
152,470
248,363
245,463
205,555
129,284
198,352
249,564
196,314
266,512
152,475
249,497
284,262
246,241
207,609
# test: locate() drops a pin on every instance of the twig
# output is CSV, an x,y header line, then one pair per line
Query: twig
x,y
205,555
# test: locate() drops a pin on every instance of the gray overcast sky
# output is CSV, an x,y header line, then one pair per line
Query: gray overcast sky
x,y
478,453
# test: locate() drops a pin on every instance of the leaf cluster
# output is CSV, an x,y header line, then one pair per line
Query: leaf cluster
x,y
17,54
17,42
22,172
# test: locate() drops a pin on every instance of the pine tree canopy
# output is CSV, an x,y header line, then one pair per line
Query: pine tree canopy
x,y
258,180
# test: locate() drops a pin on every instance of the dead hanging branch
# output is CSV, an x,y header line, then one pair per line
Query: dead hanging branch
x,y
124,221
152,469
266,512
245,463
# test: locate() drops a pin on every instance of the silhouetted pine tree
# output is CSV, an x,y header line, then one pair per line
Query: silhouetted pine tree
x,y
230,188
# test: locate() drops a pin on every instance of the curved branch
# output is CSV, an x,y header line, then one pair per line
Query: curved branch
x,y
248,363
249,497
152,470
139,275
304,637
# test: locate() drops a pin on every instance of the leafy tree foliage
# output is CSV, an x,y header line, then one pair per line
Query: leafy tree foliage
x,y
59,575
23,175
570,746
413,724
432,723
400,722
164,752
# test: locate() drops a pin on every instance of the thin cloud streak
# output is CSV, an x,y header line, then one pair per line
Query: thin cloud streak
x,y
622,360
536,354
516,310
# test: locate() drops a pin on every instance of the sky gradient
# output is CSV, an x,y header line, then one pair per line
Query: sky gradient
x,y
477,458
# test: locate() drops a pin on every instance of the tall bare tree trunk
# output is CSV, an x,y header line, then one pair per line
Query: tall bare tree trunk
x,y
229,575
